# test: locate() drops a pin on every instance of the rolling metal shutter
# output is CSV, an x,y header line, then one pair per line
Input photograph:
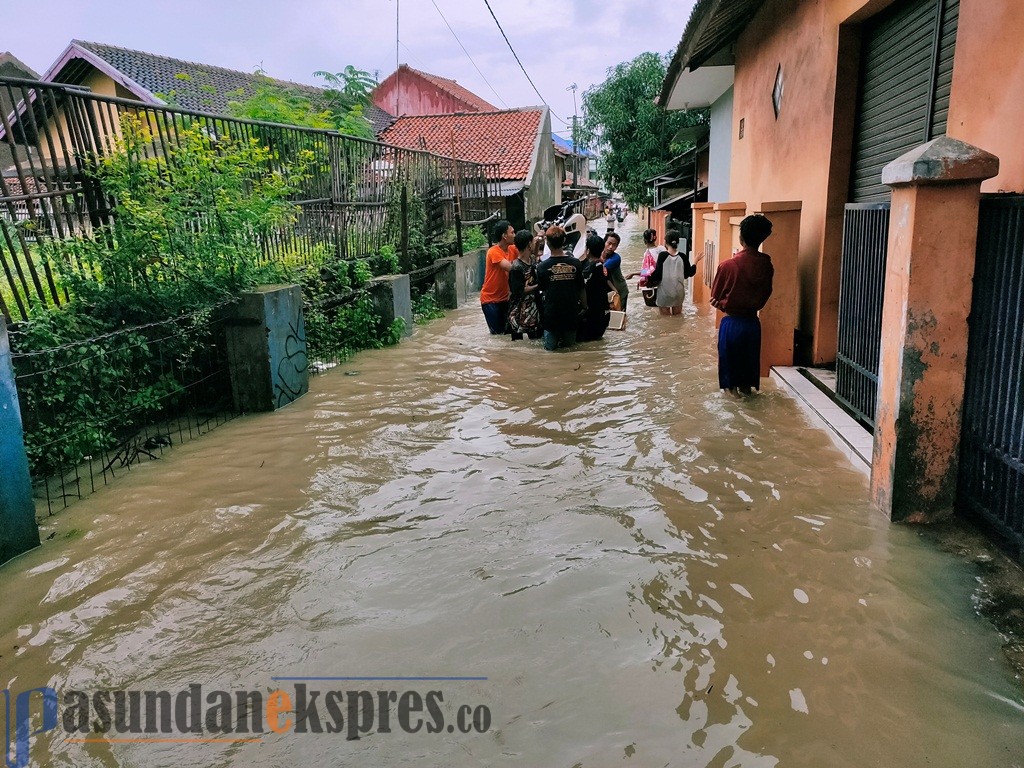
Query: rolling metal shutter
x,y
906,73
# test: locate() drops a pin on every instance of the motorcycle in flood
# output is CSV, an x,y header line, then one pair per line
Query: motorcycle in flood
x,y
574,224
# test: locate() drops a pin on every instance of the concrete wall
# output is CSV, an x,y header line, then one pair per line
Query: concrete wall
x,y
985,106
266,344
18,530
469,275
544,186
720,147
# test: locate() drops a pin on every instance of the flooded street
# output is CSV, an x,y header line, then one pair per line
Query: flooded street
x,y
645,572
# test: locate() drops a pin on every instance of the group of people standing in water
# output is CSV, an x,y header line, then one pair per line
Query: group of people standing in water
x,y
533,288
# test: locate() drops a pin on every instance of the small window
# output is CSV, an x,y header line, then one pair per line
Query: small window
x,y
777,92
742,119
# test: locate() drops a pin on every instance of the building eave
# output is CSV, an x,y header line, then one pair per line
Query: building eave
x,y
75,51
706,45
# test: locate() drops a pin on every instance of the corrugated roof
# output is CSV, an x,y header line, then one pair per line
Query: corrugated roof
x,y
472,101
505,137
204,88
566,145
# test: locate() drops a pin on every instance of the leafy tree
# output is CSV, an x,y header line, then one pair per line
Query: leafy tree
x,y
632,132
340,106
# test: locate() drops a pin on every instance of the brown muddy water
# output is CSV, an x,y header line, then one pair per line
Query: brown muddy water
x,y
645,572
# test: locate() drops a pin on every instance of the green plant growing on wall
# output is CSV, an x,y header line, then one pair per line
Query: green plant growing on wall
x,y
425,308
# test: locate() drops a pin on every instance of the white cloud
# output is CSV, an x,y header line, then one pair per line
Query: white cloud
x,y
558,43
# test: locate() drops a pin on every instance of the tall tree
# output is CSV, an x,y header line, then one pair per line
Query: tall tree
x,y
632,133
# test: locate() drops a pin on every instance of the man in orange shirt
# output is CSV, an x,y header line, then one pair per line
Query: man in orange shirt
x,y
494,293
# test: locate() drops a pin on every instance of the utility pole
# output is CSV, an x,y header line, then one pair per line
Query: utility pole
x,y
575,141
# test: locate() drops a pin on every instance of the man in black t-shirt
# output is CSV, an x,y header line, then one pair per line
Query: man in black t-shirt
x,y
594,322
560,279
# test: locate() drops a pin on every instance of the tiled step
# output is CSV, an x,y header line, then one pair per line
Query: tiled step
x,y
848,435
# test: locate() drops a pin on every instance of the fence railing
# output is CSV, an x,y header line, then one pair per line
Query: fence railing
x,y
991,483
861,290
354,198
135,392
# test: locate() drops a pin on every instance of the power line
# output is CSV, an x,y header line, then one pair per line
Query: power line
x,y
543,101
467,54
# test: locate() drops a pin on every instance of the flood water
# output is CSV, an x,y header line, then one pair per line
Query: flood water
x,y
646,573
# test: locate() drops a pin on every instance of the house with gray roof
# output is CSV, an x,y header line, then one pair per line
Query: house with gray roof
x,y
114,71
11,66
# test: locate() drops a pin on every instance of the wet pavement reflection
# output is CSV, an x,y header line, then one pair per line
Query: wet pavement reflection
x,y
646,572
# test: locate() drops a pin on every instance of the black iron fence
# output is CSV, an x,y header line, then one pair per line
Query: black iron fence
x,y
861,290
101,394
991,483
355,197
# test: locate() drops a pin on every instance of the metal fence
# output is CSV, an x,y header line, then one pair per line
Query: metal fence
x,y
861,290
136,392
991,482
355,197
97,405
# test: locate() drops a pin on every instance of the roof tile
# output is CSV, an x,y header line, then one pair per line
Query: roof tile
x,y
503,137
206,88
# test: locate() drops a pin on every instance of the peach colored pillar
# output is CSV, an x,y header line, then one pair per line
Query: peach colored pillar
x,y
726,236
701,292
657,219
933,231
779,317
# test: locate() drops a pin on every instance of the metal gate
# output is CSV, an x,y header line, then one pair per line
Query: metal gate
x,y
861,288
991,483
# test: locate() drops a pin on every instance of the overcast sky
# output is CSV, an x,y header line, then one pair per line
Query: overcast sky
x,y
559,43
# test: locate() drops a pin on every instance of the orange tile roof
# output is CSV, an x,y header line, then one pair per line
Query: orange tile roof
x,y
506,137
462,94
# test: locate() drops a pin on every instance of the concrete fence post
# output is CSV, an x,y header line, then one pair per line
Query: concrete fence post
x,y
18,529
469,275
266,344
933,230
701,293
392,298
724,234
779,317
445,284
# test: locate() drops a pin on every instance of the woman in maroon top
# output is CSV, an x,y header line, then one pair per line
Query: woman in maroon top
x,y
741,288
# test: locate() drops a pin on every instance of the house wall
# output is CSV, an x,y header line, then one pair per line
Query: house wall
x,y
789,158
720,141
544,187
409,94
985,107
98,83
805,154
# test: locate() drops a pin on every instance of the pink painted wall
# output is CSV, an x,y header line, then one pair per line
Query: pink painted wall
x,y
409,94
